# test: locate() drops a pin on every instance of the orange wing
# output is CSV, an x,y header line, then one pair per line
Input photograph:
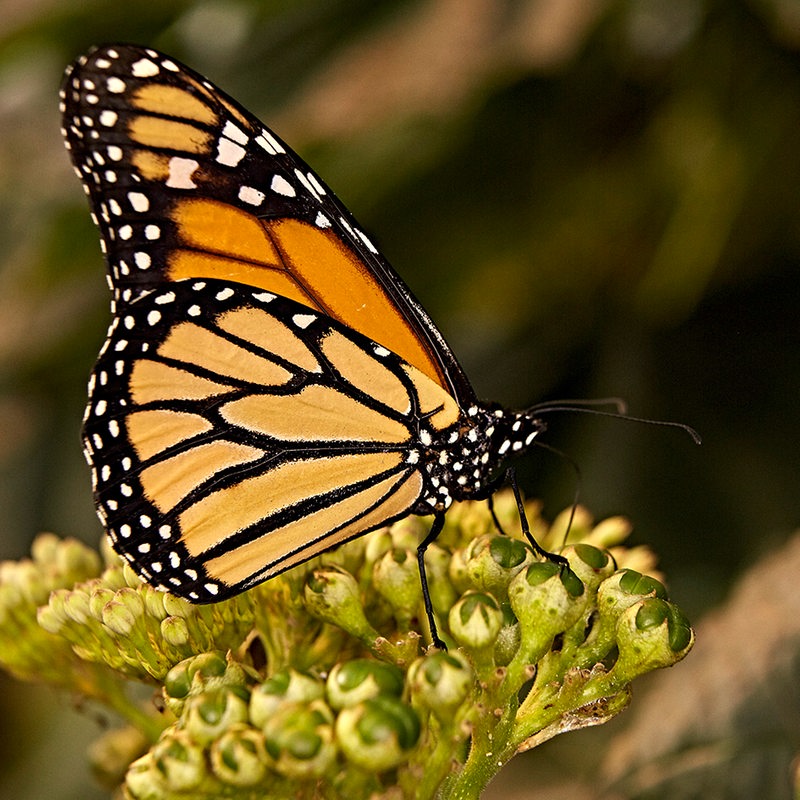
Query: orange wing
x,y
184,183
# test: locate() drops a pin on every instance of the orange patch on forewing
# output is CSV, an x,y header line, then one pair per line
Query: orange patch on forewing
x,y
168,134
154,430
281,548
193,344
167,482
185,264
214,227
172,101
345,289
263,330
431,397
151,166
315,413
151,381
219,514
364,371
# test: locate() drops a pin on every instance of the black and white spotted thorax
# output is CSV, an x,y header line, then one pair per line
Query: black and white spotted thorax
x,y
461,462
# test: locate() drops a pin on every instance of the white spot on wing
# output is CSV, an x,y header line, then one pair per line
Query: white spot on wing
x,y
303,320
269,143
180,173
139,202
229,153
233,132
144,68
280,185
265,297
247,194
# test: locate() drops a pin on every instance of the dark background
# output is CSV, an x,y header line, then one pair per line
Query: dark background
x,y
592,198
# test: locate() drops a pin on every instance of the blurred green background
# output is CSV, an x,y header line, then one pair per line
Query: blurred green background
x,y
592,198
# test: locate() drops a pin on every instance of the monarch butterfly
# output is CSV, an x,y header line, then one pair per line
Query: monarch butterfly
x,y
269,387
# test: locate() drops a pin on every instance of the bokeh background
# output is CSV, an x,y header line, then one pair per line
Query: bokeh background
x,y
593,198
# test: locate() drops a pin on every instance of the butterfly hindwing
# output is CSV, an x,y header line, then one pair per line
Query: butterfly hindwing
x,y
184,183
207,476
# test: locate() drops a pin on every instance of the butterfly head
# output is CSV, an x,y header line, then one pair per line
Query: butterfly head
x,y
462,461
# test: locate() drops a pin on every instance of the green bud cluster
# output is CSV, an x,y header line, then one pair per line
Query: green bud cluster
x,y
28,650
140,632
239,734
322,682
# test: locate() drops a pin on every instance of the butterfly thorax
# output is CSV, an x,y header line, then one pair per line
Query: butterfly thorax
x,y
462,461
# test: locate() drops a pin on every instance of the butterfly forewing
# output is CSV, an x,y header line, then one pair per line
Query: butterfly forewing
x,y
184,183
233,433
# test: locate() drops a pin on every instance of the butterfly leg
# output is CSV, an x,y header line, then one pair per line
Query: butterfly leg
x,y
436,529
511,475
490,503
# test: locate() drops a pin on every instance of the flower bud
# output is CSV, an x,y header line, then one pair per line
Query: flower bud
x,y
609,532
441,682
75,561
508,640
53,616
238,758
299,739
180,679
207,715
408,532
45,549
153,601
332,595
48,619
98,597
396,578
475,620
651,634
622,590
493,560
376,544
175,631
458,573
286,686
143,781
119,618
175,606
547,599
351,682
378,734
179,760
589,564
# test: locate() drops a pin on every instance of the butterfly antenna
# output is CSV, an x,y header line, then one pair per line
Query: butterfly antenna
x,y
578,407
618,403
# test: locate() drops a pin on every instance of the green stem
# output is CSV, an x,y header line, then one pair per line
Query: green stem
x,y
436,763
490,749
114,695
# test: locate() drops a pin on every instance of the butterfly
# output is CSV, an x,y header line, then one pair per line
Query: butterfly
x,y
269,387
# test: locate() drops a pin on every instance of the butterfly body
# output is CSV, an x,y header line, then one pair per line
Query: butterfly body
x,y
269,387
